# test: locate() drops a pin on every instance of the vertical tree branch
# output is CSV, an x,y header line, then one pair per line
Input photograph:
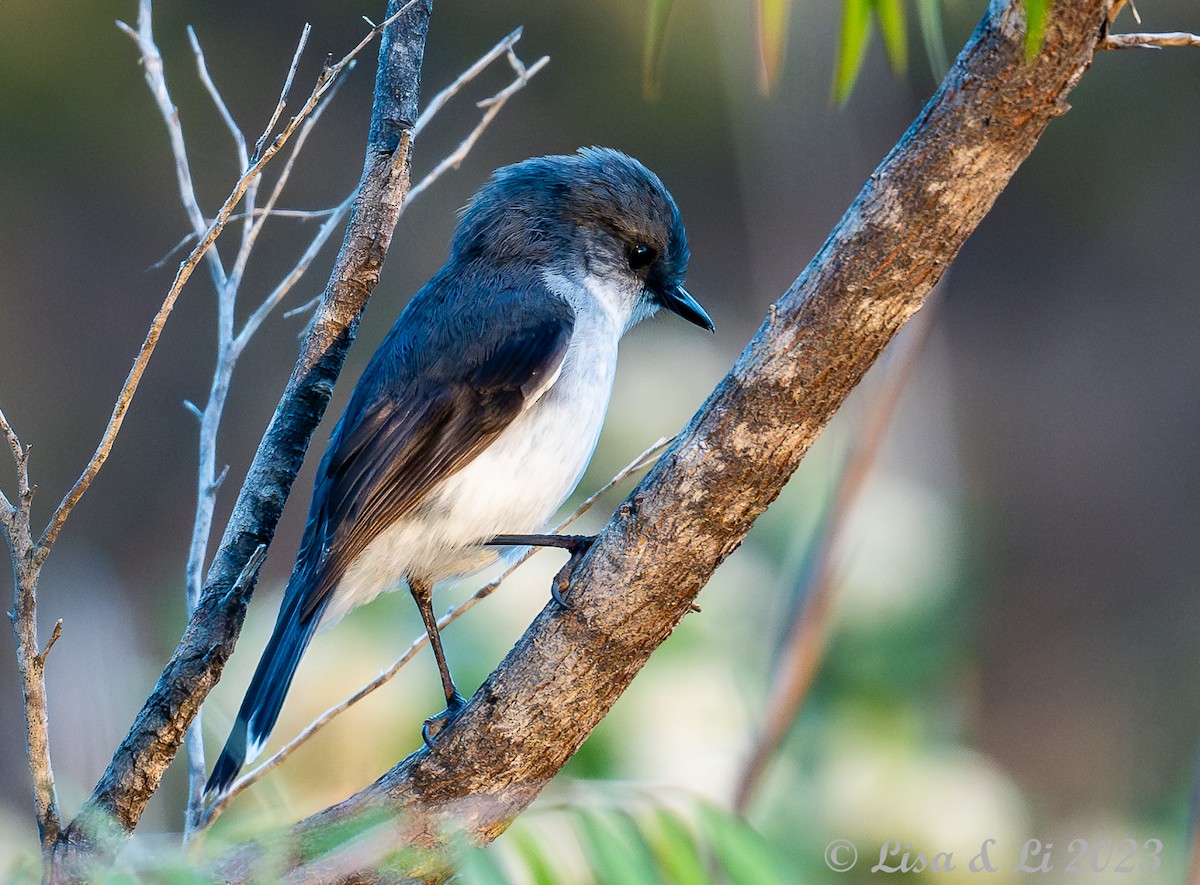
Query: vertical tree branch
x,y
133,775
31,663
229,348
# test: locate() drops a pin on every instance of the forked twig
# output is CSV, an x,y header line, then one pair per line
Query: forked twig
x,y
493,106
31,662
442,98
283,93
327,78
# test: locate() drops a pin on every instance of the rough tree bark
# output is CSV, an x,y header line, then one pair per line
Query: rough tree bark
x,y
696,505
92,839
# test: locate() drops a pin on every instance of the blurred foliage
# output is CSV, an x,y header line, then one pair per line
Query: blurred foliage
x,y
631,842
772,18
853,38
659,13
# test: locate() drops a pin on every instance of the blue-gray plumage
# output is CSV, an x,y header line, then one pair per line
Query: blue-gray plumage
x,y
480,410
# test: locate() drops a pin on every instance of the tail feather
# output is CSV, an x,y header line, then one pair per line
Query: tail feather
x,y
264,698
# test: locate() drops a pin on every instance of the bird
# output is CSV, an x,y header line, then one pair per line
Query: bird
x,y
476,417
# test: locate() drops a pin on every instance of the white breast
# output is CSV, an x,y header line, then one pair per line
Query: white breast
x,y
514,485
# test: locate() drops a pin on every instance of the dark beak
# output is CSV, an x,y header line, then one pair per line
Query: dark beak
x,y
678,301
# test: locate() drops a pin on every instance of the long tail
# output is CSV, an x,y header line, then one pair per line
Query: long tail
x,y
264,698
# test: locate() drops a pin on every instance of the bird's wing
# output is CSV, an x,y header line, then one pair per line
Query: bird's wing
x,y
422,411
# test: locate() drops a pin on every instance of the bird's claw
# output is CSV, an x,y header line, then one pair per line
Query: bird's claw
x,y
435,725
580,545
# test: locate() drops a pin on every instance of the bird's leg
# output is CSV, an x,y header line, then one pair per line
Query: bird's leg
x,y
422,594
578,545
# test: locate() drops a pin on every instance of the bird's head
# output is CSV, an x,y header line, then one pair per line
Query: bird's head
x,y
597,213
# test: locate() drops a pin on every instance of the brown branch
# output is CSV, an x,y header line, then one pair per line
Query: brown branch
x,y
116,804
31,663
1148,41
804,648
696,505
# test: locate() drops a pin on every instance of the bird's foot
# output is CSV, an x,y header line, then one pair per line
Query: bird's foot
x,y
562,581
578,545
435,725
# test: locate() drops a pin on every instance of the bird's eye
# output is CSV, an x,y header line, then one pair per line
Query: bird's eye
x,y
641,255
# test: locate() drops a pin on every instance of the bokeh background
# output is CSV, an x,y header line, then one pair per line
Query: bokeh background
x,y
1014,651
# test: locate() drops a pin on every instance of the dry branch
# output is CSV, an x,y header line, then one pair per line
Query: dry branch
x,y
119,798
696,505
31,663
1149,41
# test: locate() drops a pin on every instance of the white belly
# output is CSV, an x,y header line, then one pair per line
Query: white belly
x,y
513,486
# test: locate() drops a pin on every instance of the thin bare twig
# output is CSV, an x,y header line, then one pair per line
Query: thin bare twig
x,y
224,293
249,778
10,436
493,106
442,98
325,81
301,214
251,229
255,320
152,71
1148,41
439,101
283,94
9,510
255,228
805,645
239,138
54,637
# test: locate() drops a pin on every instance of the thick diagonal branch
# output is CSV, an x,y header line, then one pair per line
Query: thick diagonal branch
x,y
697,504
120,797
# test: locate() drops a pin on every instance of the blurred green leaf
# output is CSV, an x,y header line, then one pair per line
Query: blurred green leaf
x,y
1035,26
929,14
773,18
852,47
532,855
117,877
657,17
744,853
675,845
618,852
478,866
894,27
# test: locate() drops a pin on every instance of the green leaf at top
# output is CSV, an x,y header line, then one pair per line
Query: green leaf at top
x,y
658,14
894,28
929,14
852,47
772,38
